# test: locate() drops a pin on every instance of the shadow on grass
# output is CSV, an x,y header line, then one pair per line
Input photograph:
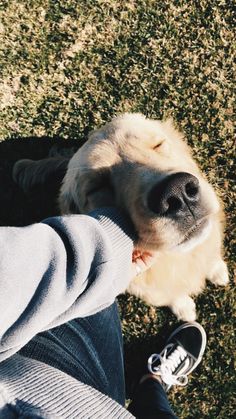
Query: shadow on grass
x,y
18,208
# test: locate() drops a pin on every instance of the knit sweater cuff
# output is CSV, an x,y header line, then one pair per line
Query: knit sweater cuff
x,y
121,233
117,225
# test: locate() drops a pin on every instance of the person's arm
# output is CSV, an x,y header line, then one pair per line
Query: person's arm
x,y
60,269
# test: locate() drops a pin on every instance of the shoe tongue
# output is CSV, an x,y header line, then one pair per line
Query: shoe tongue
x,y
177,343
169,351
184,366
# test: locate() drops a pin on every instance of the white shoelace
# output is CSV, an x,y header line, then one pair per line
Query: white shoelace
x,y
168,365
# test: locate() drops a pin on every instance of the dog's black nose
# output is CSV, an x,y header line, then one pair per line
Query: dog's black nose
x,y
176,195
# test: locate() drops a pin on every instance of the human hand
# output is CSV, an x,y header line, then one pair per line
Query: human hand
x,y
141,261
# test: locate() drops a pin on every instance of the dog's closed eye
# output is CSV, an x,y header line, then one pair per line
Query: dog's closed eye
x,y
98,183
102,196
162,147
99,192
157,146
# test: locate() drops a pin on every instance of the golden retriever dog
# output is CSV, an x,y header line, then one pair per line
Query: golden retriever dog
x,y
145,168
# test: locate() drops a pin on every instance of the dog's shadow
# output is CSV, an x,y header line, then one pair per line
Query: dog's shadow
x,y
19,209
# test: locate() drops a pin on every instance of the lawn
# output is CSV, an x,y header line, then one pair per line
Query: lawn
x,y
68,66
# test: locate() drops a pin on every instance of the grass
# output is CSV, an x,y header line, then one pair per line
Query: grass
x,y
68,66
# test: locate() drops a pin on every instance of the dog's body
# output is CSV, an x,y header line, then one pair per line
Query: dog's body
x,y
145,168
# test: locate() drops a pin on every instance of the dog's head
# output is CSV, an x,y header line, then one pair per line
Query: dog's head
x,y
145,168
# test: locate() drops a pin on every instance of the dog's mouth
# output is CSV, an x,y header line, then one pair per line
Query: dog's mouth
x,y
185,242
195,235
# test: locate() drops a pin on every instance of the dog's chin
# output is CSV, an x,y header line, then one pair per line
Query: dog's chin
x,y
194,237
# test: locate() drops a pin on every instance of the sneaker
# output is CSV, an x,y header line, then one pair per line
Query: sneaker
x,y
181,355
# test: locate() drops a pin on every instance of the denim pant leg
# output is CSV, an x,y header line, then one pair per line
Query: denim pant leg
x,y
150,402
89,349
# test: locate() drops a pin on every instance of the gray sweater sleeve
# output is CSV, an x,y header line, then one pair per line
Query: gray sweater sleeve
x,y
60,269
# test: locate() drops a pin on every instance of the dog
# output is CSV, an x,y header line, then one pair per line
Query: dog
x,y
145,168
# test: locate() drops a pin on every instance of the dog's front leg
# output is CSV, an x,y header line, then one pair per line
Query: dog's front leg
x,y
218,275
184,308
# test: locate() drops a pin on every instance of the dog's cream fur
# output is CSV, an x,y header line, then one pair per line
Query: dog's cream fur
x,y
118,166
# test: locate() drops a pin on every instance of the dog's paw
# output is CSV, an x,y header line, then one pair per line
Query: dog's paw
x,y
184,308
219,274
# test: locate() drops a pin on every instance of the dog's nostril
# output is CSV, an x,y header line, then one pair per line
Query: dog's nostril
x,y
191,189
174,205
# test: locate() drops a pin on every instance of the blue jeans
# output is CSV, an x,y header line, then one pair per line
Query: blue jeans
x,y
90,349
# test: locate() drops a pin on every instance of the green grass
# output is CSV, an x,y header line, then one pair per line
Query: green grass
x,y
68,66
